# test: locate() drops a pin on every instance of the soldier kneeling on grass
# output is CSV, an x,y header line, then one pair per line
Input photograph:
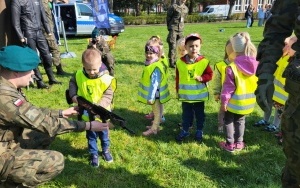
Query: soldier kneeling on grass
x,y
24,162
99,43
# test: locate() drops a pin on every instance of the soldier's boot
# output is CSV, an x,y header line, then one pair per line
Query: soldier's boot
x,y
60,71
39,79
51,77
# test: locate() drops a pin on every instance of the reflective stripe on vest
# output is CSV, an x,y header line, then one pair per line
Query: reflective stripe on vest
x,y
243,99
93,89
189,88
144,94
280,95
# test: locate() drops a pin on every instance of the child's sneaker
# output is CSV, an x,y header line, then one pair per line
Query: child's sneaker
x,y
239,146
261,123
149,116
183,134
94,161
107,156
198,136
227,147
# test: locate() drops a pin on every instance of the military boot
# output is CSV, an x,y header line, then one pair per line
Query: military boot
x,y
51,77
39,79
60,71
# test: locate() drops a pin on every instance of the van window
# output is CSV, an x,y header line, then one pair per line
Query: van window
x,y
210,10
84,10
206,9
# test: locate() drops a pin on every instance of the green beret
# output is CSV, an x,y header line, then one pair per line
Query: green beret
x,y
19,59
95,33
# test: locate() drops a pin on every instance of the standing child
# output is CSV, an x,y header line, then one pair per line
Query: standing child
x,y
237,96
192,74
219,77
95,85
153,87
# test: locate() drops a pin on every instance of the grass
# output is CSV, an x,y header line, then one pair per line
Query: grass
x,y
158,161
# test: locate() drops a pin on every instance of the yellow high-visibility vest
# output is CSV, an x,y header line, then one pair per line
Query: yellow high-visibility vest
x,y
191,90
280,95
243,99
93,89
144,94
221,67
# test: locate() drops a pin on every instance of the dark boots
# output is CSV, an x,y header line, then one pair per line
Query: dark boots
x,y
39,79
51,77
60,71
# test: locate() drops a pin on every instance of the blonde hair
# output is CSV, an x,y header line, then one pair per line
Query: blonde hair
x,y
179,46
91,55
243,39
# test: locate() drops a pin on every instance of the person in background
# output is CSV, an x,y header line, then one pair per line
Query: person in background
x,y
248,16
219,77
51,40
29,167
237,96
192,74
176,14
252,16
98,42
261,15
98,87
28,19
268,13
153,88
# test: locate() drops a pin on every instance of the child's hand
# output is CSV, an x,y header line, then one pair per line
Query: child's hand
x,y
69,112
217,98
198,78
224,107
74,99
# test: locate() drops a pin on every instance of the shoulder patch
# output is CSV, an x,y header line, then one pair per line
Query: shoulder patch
x,y
18,102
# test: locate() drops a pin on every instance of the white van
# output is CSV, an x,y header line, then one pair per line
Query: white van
x,y
218,11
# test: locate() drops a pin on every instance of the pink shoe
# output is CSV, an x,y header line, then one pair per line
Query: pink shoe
x,y
149,116
149,132
227,147
239,146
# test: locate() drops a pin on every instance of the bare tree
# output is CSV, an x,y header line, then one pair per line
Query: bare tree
x,y
231,4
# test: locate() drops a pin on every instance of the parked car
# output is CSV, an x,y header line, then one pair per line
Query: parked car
x,y
218,11
78,20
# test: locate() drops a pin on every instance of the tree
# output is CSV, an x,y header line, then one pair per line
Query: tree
x,y
231,5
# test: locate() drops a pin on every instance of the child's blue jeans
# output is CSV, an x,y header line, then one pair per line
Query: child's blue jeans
x,y
92,141
191,110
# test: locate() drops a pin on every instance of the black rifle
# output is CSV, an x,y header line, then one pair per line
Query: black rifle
x,y
99,110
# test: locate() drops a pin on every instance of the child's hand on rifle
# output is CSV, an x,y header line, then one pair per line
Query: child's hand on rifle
x,y
69,112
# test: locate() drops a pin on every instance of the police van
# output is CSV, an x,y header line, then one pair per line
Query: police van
x,y
78,20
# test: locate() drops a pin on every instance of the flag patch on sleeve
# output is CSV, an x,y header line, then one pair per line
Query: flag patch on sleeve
x,y
18,102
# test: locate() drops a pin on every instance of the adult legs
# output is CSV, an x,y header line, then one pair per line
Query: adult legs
x,y
172,40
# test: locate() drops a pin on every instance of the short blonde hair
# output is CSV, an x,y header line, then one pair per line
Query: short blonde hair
x,y
91,55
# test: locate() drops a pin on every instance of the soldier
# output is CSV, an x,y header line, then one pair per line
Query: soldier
x,y
53,47
175,22
99,43
24,166
28,19
284,21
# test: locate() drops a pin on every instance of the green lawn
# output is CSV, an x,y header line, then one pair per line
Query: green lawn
x,y
158,161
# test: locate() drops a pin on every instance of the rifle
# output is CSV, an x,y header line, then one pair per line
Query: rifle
x,y
99,110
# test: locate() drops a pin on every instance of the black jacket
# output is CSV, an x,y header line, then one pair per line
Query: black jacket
x,y
28,16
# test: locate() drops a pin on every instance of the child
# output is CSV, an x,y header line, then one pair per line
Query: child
x,y
153,87
180,47
219,74
94,84
107,57
192,74
156,39
237,96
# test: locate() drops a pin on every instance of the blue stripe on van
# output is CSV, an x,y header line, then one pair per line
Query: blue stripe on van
x,y
85,22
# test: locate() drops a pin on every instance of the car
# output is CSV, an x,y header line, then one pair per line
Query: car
x,y
77,19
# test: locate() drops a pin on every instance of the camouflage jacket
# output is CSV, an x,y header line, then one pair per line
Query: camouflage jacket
x,y
175,17
280,25
49,14
16,113
101,45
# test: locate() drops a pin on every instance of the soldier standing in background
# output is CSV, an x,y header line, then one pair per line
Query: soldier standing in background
x,y
29,167
283,22
53,47
175,22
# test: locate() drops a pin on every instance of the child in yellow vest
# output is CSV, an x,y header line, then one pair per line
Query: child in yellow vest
x,y
192,74
237,95
219,77
95,85
153,87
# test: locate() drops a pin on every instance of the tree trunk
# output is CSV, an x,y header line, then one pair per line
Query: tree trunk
x,y
231,4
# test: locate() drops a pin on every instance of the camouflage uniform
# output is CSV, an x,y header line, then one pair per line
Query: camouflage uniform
x,y
107,57
284,20
175,22
25,167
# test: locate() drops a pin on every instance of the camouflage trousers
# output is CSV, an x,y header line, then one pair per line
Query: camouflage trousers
x,y
172,39
54,49
290,125
109,61
30,167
